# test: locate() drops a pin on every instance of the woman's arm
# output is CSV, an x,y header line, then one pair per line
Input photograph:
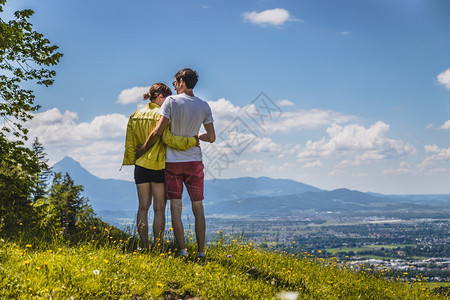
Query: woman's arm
x,y
179,142
153,137
130,145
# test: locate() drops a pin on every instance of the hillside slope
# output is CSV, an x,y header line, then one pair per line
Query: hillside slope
x,y
232,271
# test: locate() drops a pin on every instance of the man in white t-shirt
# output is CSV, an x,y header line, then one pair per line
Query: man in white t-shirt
x,y
186,114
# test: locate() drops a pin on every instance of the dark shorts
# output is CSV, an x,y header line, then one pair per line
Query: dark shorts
x,y
143,175
190,173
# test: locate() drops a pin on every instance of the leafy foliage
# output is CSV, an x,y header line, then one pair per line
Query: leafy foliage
x,y
24,56
16,182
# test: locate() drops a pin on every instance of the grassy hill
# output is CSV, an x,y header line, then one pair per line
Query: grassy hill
x,y
233,270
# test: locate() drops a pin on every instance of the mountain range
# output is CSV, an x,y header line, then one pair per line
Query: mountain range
x,y
113,194
263,196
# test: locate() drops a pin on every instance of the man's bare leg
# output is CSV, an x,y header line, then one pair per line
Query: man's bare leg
x,y
144,191
200,224
159,207
178,230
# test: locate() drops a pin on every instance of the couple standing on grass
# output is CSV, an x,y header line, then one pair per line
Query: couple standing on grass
x,y
160,172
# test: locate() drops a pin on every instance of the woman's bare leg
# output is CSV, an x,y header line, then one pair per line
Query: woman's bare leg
x,y
144,191
159,207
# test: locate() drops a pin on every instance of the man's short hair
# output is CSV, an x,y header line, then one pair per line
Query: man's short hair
x,y
189,76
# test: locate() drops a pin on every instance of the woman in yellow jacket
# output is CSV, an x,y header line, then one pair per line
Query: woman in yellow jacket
x,y
149,168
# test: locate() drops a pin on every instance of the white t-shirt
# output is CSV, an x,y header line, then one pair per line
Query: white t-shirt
x,y
186,115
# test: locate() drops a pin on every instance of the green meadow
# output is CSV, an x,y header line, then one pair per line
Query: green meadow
x,y
233,269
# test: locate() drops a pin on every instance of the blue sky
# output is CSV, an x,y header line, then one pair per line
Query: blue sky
x,y
358,91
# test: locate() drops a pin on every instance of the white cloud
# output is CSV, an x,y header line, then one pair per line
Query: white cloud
x,y
132,95
306,119
225,112
285,102
444,79
53,116
53,127
437,153
345,33
252,165
446,125
435,160
265,145
434,163
98,144
343,173
354,140
237,143
276,17
224,109
314,164
347,164
237,133
404,168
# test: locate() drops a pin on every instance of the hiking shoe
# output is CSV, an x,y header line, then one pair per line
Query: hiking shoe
x,y
184,253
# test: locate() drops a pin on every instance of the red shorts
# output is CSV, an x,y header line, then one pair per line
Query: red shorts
x,y
191,173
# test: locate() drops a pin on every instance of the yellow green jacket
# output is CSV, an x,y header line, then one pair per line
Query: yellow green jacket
x,y
140,125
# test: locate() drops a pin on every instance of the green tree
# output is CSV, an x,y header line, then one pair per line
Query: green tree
x,y
15,189
25,56
40,189
66,197
67,210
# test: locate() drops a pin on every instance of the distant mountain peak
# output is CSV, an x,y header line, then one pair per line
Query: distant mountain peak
x,y
71,166
69,160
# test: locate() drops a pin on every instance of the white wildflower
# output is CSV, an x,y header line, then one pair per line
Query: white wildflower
x,y
288,295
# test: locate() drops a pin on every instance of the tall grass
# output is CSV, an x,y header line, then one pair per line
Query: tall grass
x,y
234,269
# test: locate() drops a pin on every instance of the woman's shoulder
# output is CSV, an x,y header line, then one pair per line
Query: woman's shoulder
x,y
145,112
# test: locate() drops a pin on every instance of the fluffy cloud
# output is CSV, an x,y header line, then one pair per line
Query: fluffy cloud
x,y
306,119
54,116
275,17
265,145
404,168
435,160
54,127
285,102
444,79
341,173
446,125
253,165
238,143
223,110
437,153
314,164
225,113
98,144
363,144
132,95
